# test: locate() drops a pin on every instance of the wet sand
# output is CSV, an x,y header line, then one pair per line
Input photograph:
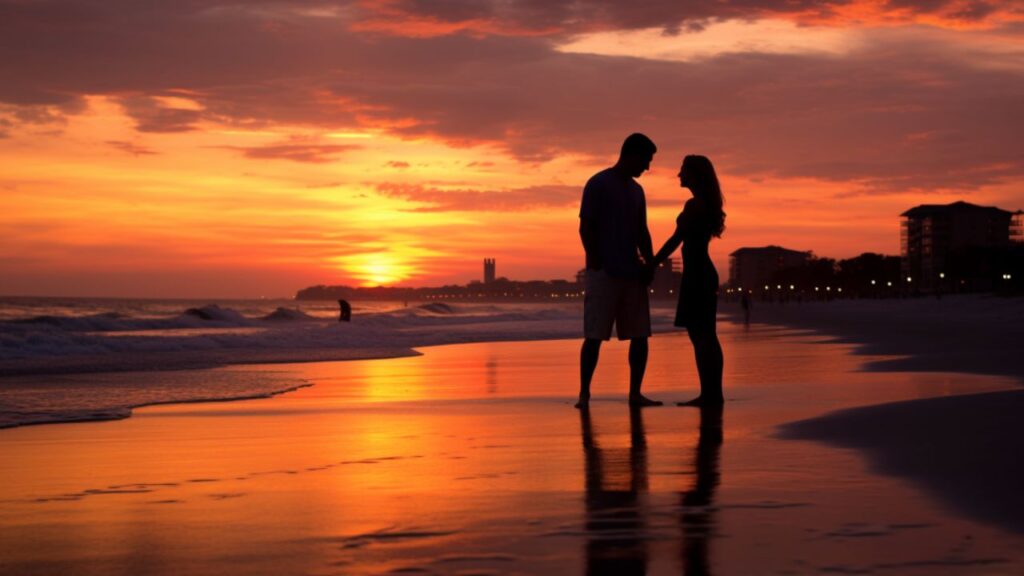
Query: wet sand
x,y
470,459
965,450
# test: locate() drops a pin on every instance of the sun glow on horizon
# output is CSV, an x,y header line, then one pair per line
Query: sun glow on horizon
x,y
377,268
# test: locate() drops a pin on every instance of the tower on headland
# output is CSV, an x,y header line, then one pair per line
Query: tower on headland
x,y
488,270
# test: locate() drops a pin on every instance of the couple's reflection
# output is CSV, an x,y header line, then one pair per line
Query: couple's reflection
x,y
616,531
616,518
697,516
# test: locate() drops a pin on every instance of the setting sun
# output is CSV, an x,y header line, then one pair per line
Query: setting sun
x,y
376,269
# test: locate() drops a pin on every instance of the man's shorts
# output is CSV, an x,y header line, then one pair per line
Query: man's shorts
x,y
620,301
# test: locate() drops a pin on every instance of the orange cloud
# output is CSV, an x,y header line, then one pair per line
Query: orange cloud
x,y
296,152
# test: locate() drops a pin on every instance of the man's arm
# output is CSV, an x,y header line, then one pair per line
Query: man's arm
x,y
646,245
588,229
590,245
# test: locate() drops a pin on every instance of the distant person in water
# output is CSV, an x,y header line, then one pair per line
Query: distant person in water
x,y
701,219
344,311
613,227
745,304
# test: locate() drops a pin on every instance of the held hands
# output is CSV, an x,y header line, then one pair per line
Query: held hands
x,y
647,273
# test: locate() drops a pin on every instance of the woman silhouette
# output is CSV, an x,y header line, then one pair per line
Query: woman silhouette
x,y
702,217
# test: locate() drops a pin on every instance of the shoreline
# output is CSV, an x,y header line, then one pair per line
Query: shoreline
x,y
878,328
125,412
961,449
948,446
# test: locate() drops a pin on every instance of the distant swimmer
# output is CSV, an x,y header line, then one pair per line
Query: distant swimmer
x,y
745,304
346,311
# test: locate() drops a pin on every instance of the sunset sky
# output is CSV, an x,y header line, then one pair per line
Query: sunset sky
x,y
251,148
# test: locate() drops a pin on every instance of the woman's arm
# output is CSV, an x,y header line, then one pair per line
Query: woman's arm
x,y
683,223
670,246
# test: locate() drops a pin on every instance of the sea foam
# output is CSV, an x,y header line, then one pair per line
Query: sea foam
x,y
99,366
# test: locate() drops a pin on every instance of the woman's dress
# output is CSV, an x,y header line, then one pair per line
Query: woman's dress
x,y
698,291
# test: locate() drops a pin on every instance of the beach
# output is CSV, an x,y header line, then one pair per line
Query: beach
x,y
469,459
976,333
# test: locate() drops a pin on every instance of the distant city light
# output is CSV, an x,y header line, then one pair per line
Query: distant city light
x,y
942,274
888,283
828,288
839,289
909,279
778,286
815,288
766,287
872,282
791,287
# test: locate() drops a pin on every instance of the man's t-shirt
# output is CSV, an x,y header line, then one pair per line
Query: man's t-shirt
x,y
616,210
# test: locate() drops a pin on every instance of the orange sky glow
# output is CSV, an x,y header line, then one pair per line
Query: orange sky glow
x,y
230,150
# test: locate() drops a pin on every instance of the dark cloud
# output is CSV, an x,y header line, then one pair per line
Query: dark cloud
x,y
296,151
151,115
397,164
852,118
511,199
425,18
907,112
131,148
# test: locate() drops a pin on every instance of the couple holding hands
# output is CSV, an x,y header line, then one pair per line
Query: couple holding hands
x,y
613,227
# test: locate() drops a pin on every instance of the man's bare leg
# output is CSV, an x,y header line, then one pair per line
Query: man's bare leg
x,y
637,368
588,362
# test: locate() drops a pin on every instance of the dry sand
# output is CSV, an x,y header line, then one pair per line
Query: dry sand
x,y
976,334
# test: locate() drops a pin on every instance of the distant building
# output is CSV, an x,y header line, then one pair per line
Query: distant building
x,y
489,270
957,246
752,268
666,279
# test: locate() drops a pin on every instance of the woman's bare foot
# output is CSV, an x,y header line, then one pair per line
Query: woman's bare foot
x,y
701,401
639,401
583,403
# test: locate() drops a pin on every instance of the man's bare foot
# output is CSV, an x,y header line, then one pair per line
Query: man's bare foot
x,y
700,401
583,403
640,401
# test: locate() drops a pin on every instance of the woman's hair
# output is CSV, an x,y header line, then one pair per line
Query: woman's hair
x,y
705,187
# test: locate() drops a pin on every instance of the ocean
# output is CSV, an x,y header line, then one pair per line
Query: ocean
x,y
72,359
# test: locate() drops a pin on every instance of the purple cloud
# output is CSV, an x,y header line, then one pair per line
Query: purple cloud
x,y
296,152
511,199
857,117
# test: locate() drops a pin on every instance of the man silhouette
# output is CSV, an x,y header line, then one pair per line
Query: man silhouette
x,y
613,227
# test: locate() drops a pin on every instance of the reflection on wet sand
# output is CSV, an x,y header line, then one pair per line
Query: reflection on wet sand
x,y
698,513
616,483
415,466
616,527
